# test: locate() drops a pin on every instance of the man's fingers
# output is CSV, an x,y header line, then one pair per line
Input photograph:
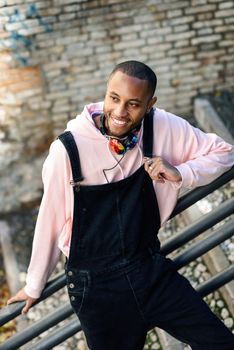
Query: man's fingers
x,y
147,163
151,165
14,300
160,170
22,296
154,170
28,305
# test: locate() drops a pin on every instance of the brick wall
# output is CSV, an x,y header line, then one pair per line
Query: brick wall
x,y
55,56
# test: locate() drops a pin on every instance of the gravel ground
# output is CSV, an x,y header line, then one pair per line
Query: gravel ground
x,y
22,225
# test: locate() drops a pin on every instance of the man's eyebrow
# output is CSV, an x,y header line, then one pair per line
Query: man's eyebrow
x,y
132,99
136,100
113,93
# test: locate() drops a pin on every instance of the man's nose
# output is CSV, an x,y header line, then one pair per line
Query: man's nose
x,y
120,111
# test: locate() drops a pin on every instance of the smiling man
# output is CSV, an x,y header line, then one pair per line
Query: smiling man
x,y
110,181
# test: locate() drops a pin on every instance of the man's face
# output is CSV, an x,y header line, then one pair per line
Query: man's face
x,y
126,102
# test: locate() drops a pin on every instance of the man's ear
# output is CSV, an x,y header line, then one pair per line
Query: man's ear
x,y
152,102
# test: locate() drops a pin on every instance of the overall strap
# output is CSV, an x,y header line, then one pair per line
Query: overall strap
x,y
68,140
148,130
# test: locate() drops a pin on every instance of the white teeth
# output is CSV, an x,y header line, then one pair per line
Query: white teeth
x,y
119,122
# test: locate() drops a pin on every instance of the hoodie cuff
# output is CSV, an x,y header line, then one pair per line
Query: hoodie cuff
x,y
32,292
186,175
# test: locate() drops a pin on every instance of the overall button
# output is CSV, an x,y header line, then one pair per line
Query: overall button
x,y
70,273
73,298
71,285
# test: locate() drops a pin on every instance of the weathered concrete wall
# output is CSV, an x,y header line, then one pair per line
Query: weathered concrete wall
x,y
55,56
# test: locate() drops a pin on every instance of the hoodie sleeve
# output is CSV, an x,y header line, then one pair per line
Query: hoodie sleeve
x,y
52,218
204,157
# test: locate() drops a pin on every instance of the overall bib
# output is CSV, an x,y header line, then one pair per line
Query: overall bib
x,y
119,285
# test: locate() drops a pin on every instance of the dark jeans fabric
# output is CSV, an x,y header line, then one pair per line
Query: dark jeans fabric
x,y
117,309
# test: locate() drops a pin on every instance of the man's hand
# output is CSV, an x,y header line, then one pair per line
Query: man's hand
x,y
22,296
160,170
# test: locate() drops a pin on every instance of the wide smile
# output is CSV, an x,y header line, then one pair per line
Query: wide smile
x,y
118,122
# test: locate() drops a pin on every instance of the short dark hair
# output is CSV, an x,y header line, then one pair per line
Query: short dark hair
x,y
138,70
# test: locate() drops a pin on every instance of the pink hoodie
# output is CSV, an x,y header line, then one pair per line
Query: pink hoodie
x,y
199,157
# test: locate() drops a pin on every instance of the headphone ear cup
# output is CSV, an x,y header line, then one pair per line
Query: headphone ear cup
x,y
116,146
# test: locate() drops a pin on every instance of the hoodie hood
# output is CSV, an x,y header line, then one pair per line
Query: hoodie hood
x,y
83,124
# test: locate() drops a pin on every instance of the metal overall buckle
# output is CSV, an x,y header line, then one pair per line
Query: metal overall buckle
x,y
75,185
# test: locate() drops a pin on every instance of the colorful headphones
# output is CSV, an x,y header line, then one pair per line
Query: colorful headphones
x,y
119,146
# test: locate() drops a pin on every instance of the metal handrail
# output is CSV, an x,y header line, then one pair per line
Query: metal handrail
x,y
197,249
195,195
12,311
216,281
57,337
189,254
38,327
193,252
193,230
72,327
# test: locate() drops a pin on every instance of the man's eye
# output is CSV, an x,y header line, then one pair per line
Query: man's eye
x,y
115,99
134,105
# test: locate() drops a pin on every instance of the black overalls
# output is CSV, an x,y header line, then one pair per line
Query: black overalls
x,y
118,283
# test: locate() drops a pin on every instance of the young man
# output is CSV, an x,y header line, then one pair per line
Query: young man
x,y
103,206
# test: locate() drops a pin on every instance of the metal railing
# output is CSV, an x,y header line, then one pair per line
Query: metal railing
x,y
189,254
